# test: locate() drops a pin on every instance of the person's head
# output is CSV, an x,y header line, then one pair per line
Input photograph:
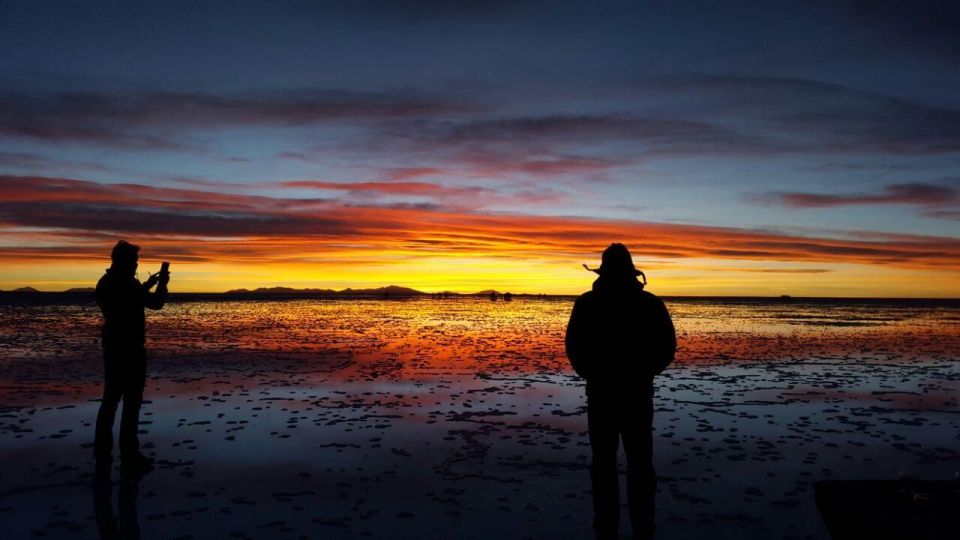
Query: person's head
x,y
616,262
616,265
124,257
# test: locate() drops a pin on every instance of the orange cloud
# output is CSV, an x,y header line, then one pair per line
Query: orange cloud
x,y
45,220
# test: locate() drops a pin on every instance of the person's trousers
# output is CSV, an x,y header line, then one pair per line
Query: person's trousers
x,y
125,371
612,417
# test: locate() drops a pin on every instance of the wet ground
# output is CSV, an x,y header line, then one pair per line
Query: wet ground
x,y
460,418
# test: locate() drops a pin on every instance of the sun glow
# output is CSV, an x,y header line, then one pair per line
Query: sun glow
x,y
222,241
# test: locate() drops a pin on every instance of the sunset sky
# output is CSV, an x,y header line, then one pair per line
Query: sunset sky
x,y
737,148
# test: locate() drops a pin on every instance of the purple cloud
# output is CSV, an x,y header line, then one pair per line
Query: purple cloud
x,y
912,193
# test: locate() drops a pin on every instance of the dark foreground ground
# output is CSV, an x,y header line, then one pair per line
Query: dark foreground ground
x,y
426,419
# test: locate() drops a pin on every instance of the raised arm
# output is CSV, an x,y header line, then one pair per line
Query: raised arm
x,y
155,300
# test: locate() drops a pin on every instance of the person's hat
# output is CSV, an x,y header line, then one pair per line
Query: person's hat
x,y
124,251
616,260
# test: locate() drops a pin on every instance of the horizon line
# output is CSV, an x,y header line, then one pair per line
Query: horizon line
x,y
293,292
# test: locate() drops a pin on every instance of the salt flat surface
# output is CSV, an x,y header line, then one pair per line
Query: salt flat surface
x,y
460,418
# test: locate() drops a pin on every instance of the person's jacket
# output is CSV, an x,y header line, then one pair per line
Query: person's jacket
x,y
619,334
122,300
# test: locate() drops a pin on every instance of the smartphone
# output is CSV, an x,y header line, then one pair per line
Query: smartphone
x,y
165,267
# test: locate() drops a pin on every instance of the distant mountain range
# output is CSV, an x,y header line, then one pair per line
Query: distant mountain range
x,y
32,290
390,290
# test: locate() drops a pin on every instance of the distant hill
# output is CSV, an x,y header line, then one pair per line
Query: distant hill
x,y
32,290
281,290
290,292
391,290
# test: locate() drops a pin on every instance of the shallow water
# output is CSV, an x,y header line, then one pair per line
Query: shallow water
x,y
428,418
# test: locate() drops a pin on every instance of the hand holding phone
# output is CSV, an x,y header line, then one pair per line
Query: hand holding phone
x,y
164,272
152,280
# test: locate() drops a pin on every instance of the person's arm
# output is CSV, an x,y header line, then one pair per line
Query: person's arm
x,y
155,300
666,337
574,339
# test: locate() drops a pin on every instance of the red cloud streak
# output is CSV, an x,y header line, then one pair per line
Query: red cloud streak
x,y
77,219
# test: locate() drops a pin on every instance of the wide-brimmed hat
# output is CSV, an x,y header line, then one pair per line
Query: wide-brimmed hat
x,y
616,261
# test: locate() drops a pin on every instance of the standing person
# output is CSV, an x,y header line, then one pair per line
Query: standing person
x,y
122,298
618,338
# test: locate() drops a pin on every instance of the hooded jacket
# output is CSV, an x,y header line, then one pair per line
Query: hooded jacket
x,y
619,334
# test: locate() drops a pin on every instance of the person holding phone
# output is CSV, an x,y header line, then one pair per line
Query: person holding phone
x,y
122,299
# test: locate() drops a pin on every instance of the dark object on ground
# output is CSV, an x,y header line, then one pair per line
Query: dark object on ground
x,y
889,509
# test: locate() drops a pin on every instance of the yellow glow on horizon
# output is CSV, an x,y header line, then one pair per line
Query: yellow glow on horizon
x,y
687,277
264,241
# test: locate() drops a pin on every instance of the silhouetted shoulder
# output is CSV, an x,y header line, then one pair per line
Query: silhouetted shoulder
x,y
652,299
584,298
619,334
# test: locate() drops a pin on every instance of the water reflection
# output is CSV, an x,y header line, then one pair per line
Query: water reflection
x,y
409,339
127,527
461,418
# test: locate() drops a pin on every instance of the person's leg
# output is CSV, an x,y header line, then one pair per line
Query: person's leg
x,y
112,391
134,380
641,477
604,441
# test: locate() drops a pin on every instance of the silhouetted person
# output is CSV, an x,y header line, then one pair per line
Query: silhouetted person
x,y
122,298
618,338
